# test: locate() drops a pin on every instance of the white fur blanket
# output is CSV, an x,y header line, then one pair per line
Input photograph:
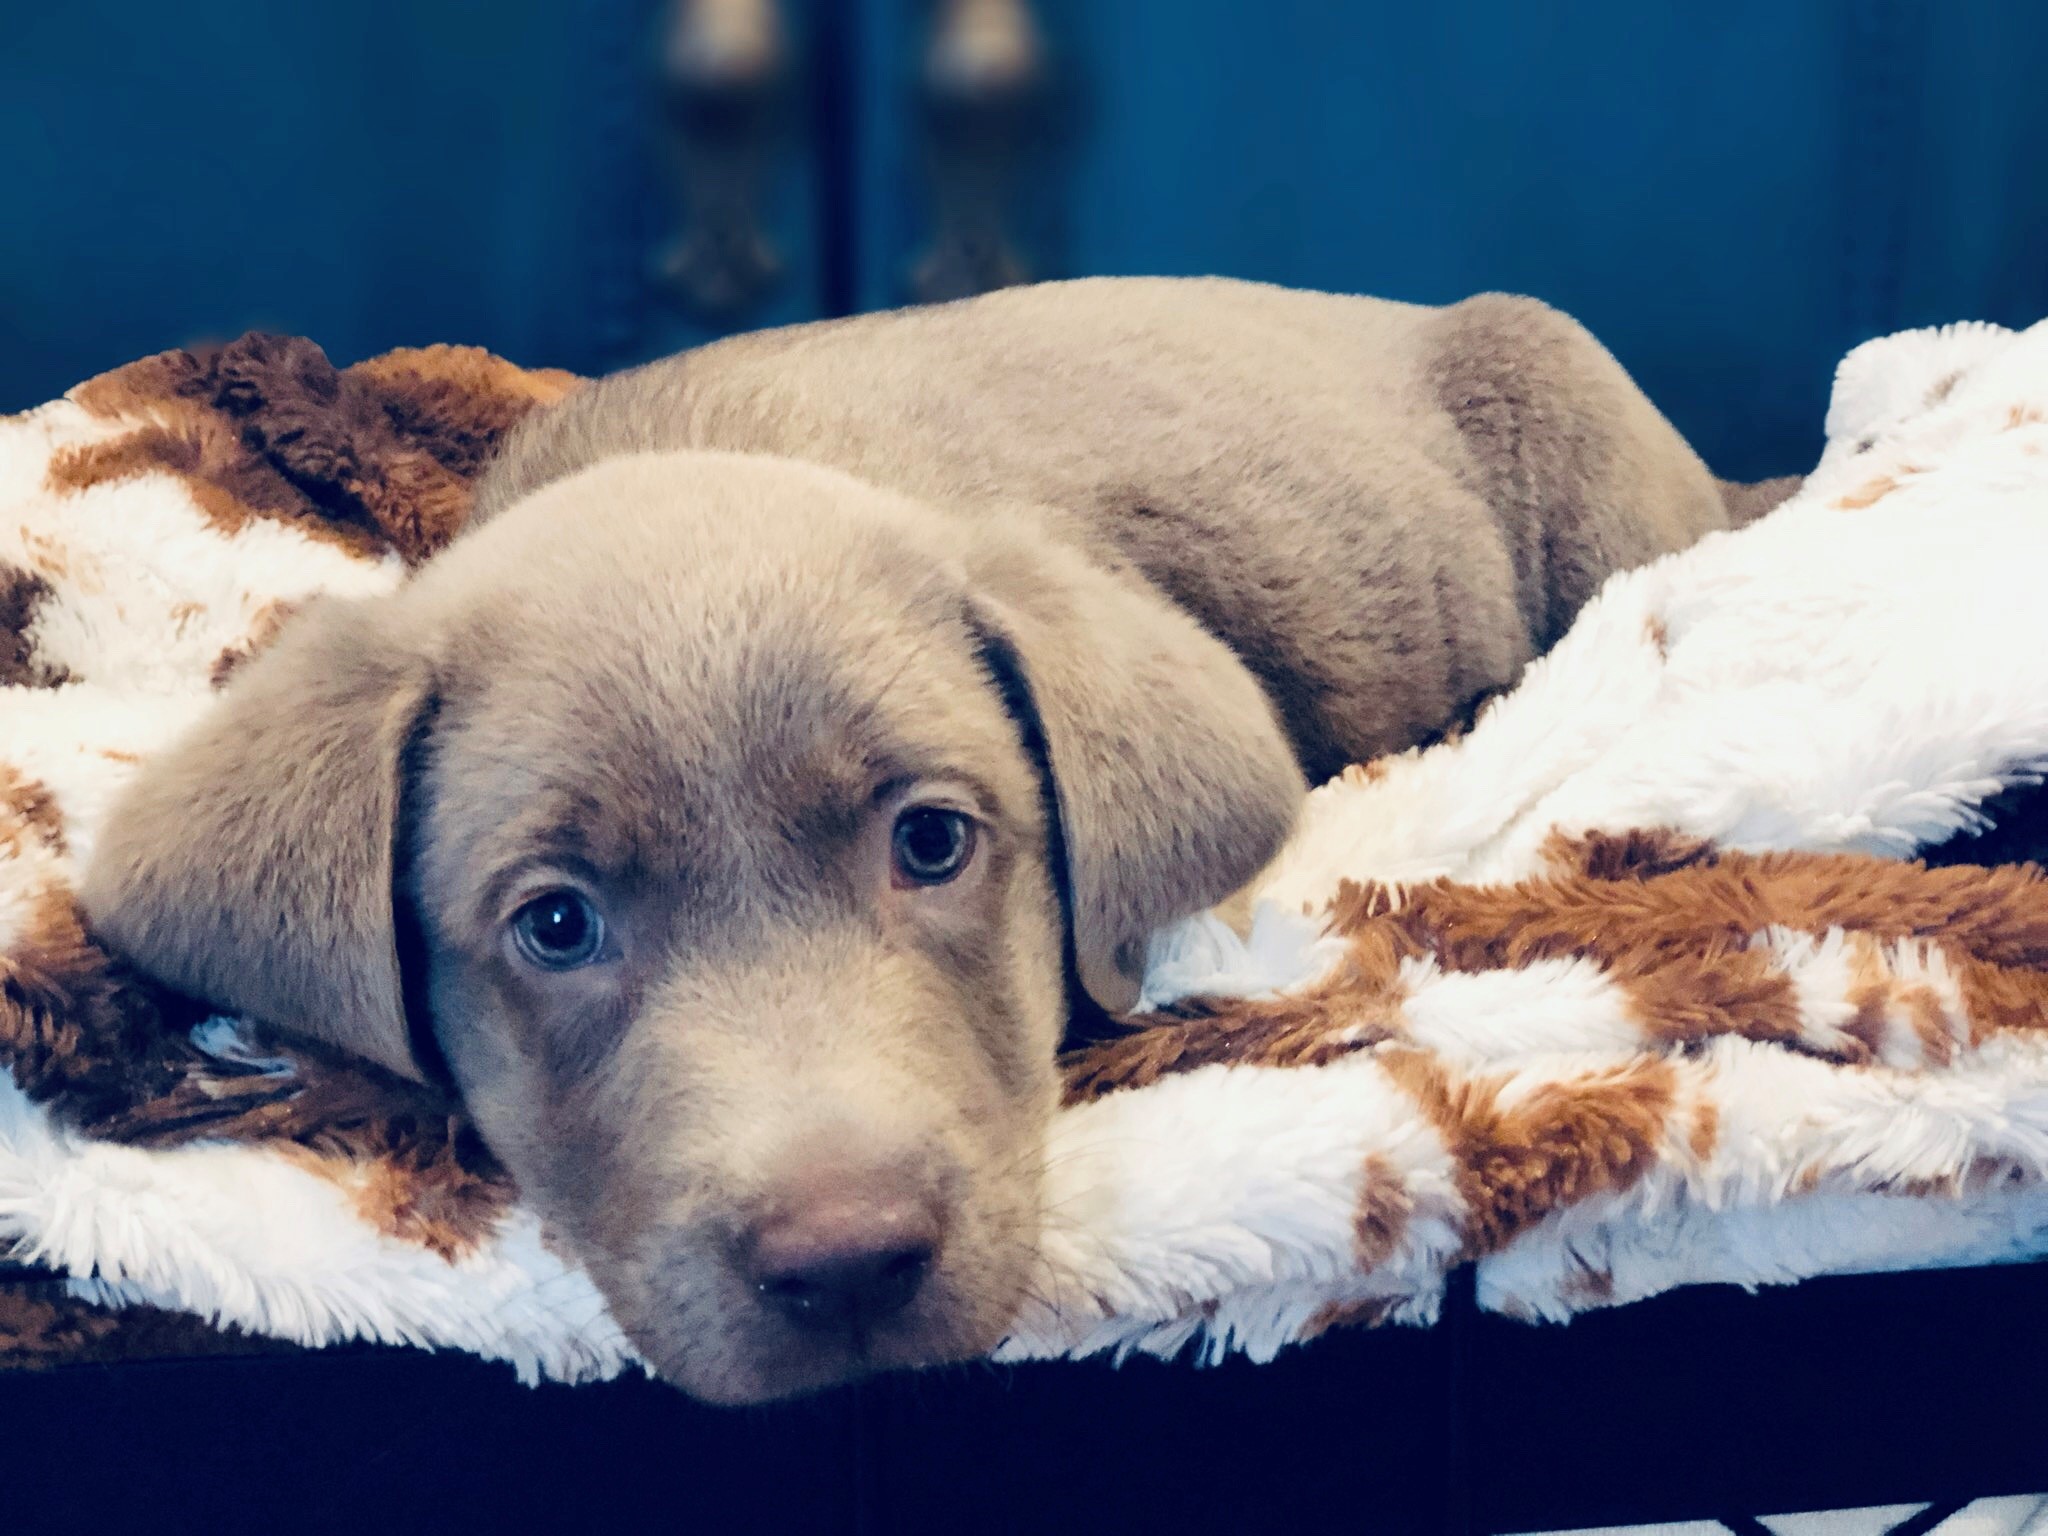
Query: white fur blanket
x,y
1626,989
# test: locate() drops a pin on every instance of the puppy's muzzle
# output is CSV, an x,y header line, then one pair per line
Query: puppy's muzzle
x,y
846,1250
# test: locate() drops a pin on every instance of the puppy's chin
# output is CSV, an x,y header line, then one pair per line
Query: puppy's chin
x,y
728,1349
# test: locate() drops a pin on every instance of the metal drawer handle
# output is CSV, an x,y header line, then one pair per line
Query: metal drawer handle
x,y
983,90
725,93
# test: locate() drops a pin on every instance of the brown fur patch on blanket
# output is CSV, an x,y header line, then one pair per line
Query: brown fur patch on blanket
x,y
41,1326
378,456
1675,927
373,459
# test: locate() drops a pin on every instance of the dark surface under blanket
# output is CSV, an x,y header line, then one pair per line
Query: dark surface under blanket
x,y
1701,1403
2017,834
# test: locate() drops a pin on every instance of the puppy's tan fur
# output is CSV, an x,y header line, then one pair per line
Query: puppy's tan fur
x,y
1146,550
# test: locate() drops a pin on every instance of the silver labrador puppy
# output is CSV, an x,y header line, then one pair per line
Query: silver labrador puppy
x,y
732,810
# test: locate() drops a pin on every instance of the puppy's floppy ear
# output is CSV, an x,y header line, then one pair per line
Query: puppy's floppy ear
x,y
251,863
1174,779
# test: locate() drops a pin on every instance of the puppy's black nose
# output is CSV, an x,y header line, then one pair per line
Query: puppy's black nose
x,y
845,1264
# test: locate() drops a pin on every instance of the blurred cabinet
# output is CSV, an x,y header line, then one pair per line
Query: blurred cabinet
x,y
1730,195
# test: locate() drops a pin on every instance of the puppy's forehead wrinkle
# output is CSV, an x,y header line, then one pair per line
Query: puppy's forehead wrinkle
x,y
782,728
745,521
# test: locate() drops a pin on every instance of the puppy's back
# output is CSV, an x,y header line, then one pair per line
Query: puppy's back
x,y
1385,509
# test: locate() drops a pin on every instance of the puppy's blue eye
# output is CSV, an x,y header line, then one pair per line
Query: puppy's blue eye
x,y
558,931
931,846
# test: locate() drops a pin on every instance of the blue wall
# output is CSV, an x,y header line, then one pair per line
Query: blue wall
x,y
1730,195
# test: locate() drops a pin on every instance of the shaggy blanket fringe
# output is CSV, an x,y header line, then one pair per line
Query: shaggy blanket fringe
x,y
1630,987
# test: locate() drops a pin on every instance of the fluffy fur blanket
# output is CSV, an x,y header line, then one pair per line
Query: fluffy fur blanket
x,y
1626,989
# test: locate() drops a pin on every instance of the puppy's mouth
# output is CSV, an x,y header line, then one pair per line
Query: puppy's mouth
x,y
723,1328
811,1362
755,1353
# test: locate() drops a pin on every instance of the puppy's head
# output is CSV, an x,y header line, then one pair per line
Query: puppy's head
x,y
725,830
